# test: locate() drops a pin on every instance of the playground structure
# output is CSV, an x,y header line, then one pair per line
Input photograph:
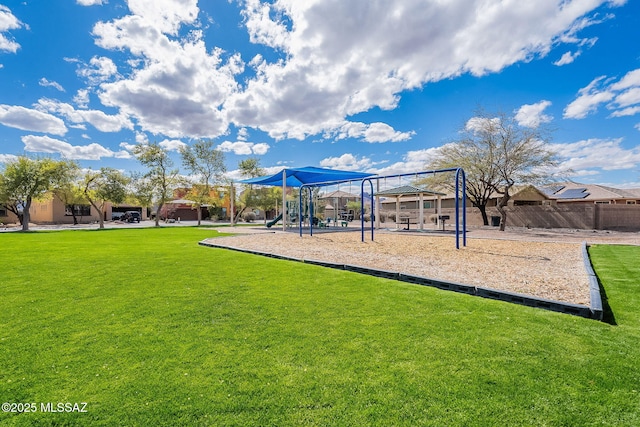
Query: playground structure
x,y
309,178
292,209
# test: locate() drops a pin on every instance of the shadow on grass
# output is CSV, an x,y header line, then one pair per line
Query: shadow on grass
x,y
607,312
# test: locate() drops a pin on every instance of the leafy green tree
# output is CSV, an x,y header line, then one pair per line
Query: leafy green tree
x,y
266,198
140,190
105,185
161,178
25,179
70,192
207,165
249,168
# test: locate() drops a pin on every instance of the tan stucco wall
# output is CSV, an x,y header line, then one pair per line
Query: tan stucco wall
x,y
52,211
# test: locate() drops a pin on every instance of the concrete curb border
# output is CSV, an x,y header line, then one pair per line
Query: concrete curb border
x,y
594,311
596,307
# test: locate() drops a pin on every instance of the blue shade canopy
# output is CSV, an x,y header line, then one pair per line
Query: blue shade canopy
x,y
296,177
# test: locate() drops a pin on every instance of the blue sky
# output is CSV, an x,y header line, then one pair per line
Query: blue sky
x,y
361,85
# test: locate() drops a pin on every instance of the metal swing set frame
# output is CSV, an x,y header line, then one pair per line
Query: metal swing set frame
x,y
460,189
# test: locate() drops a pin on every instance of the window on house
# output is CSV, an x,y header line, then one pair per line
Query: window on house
x,y
527,202
428,204
631,202
3,212
79,210
603,203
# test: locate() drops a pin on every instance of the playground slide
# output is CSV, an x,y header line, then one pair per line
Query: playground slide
x,y
273,222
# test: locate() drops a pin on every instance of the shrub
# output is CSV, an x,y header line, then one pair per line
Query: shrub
x,y
249,216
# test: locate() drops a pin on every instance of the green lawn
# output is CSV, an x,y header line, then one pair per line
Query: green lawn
x,y
148,328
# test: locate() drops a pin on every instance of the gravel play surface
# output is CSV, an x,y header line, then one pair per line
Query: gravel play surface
x,y
537,265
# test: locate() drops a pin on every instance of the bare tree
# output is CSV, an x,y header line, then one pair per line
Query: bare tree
x,y
522,156
477,161
497,153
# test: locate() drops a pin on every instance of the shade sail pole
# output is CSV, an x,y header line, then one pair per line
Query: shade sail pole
x,y
377,216
421,211
232,197
285,214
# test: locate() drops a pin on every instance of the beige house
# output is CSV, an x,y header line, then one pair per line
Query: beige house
x,y
54,211
7,217
564,205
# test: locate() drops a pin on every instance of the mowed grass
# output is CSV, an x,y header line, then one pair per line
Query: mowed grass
x,y
148,328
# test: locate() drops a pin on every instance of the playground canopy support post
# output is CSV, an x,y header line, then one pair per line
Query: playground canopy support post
x,y
362,207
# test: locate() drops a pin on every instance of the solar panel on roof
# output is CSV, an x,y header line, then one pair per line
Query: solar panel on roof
x,y
573,193
552,189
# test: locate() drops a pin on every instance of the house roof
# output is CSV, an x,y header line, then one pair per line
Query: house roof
x,y
407,190
572,191
340,194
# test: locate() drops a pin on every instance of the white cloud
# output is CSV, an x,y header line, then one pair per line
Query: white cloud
x,y
8,22
567,58
127,147
532,115
413,161
334,59
46,83
382,132
374,133
99,69
97,118
589,99
167,15
31,120
628,97
594,154
347,162
90,2
481,124
260,148
243,134
82,98
46,144
172,144
343,58
621,97
630,80
244,148
180,88
141,138
6,158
